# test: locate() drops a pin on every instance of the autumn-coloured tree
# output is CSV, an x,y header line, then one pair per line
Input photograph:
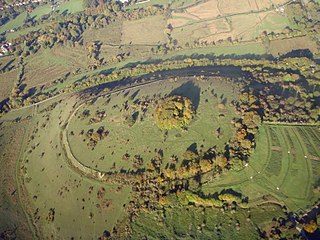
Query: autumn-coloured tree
x,y
173,112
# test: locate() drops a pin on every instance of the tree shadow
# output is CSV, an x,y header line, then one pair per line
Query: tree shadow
x,y
133,96
189,90
298,53
193,148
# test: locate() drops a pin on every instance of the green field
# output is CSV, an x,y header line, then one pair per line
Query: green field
x,y
72,6
144,136
14,23
285,156
203,223
50,182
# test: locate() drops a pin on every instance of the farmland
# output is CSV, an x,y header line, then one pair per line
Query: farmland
x,y
223,20
182,119
144,31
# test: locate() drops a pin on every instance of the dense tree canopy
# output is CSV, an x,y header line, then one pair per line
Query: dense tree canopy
x,y
173,112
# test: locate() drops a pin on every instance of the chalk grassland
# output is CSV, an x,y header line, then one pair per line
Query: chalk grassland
x,y
148,30
240,20
11,214
285,165
79,210
144,136
108,35
50,64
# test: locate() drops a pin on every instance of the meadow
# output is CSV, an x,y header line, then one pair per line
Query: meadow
x,y
203,223
143,137
285,156
216,20
67,7
50,183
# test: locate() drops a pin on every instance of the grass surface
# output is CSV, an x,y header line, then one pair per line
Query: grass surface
x,y
148,30
14,23
281,160
51,183
144,136
195,223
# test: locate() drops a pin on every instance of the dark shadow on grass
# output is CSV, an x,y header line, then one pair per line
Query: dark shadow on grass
x,y
193,148
298,53
189,90
133,96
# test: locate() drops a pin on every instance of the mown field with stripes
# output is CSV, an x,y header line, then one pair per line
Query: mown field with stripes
x,y
285,165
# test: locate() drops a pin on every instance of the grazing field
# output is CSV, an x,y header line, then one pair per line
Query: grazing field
x,y
182,222
63,203
12,35
216,20
148,30
198,223
141,137
6,81
11,212
283,166
239,49
108,35
14,23
128,51
39,11
55,63
280,47
71,6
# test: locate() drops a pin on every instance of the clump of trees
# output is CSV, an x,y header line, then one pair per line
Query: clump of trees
x,y
173,112
93,137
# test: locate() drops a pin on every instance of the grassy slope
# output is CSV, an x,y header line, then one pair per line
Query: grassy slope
x,y
195,223
276,168
51,183
71,6
14,23
145,136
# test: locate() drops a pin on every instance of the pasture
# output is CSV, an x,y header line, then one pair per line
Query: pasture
x,y
55,62
189,222
82,208
149,30
7,81
211,97
108,35
67,7
9,66
284,46
284,165
14,23
216,20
